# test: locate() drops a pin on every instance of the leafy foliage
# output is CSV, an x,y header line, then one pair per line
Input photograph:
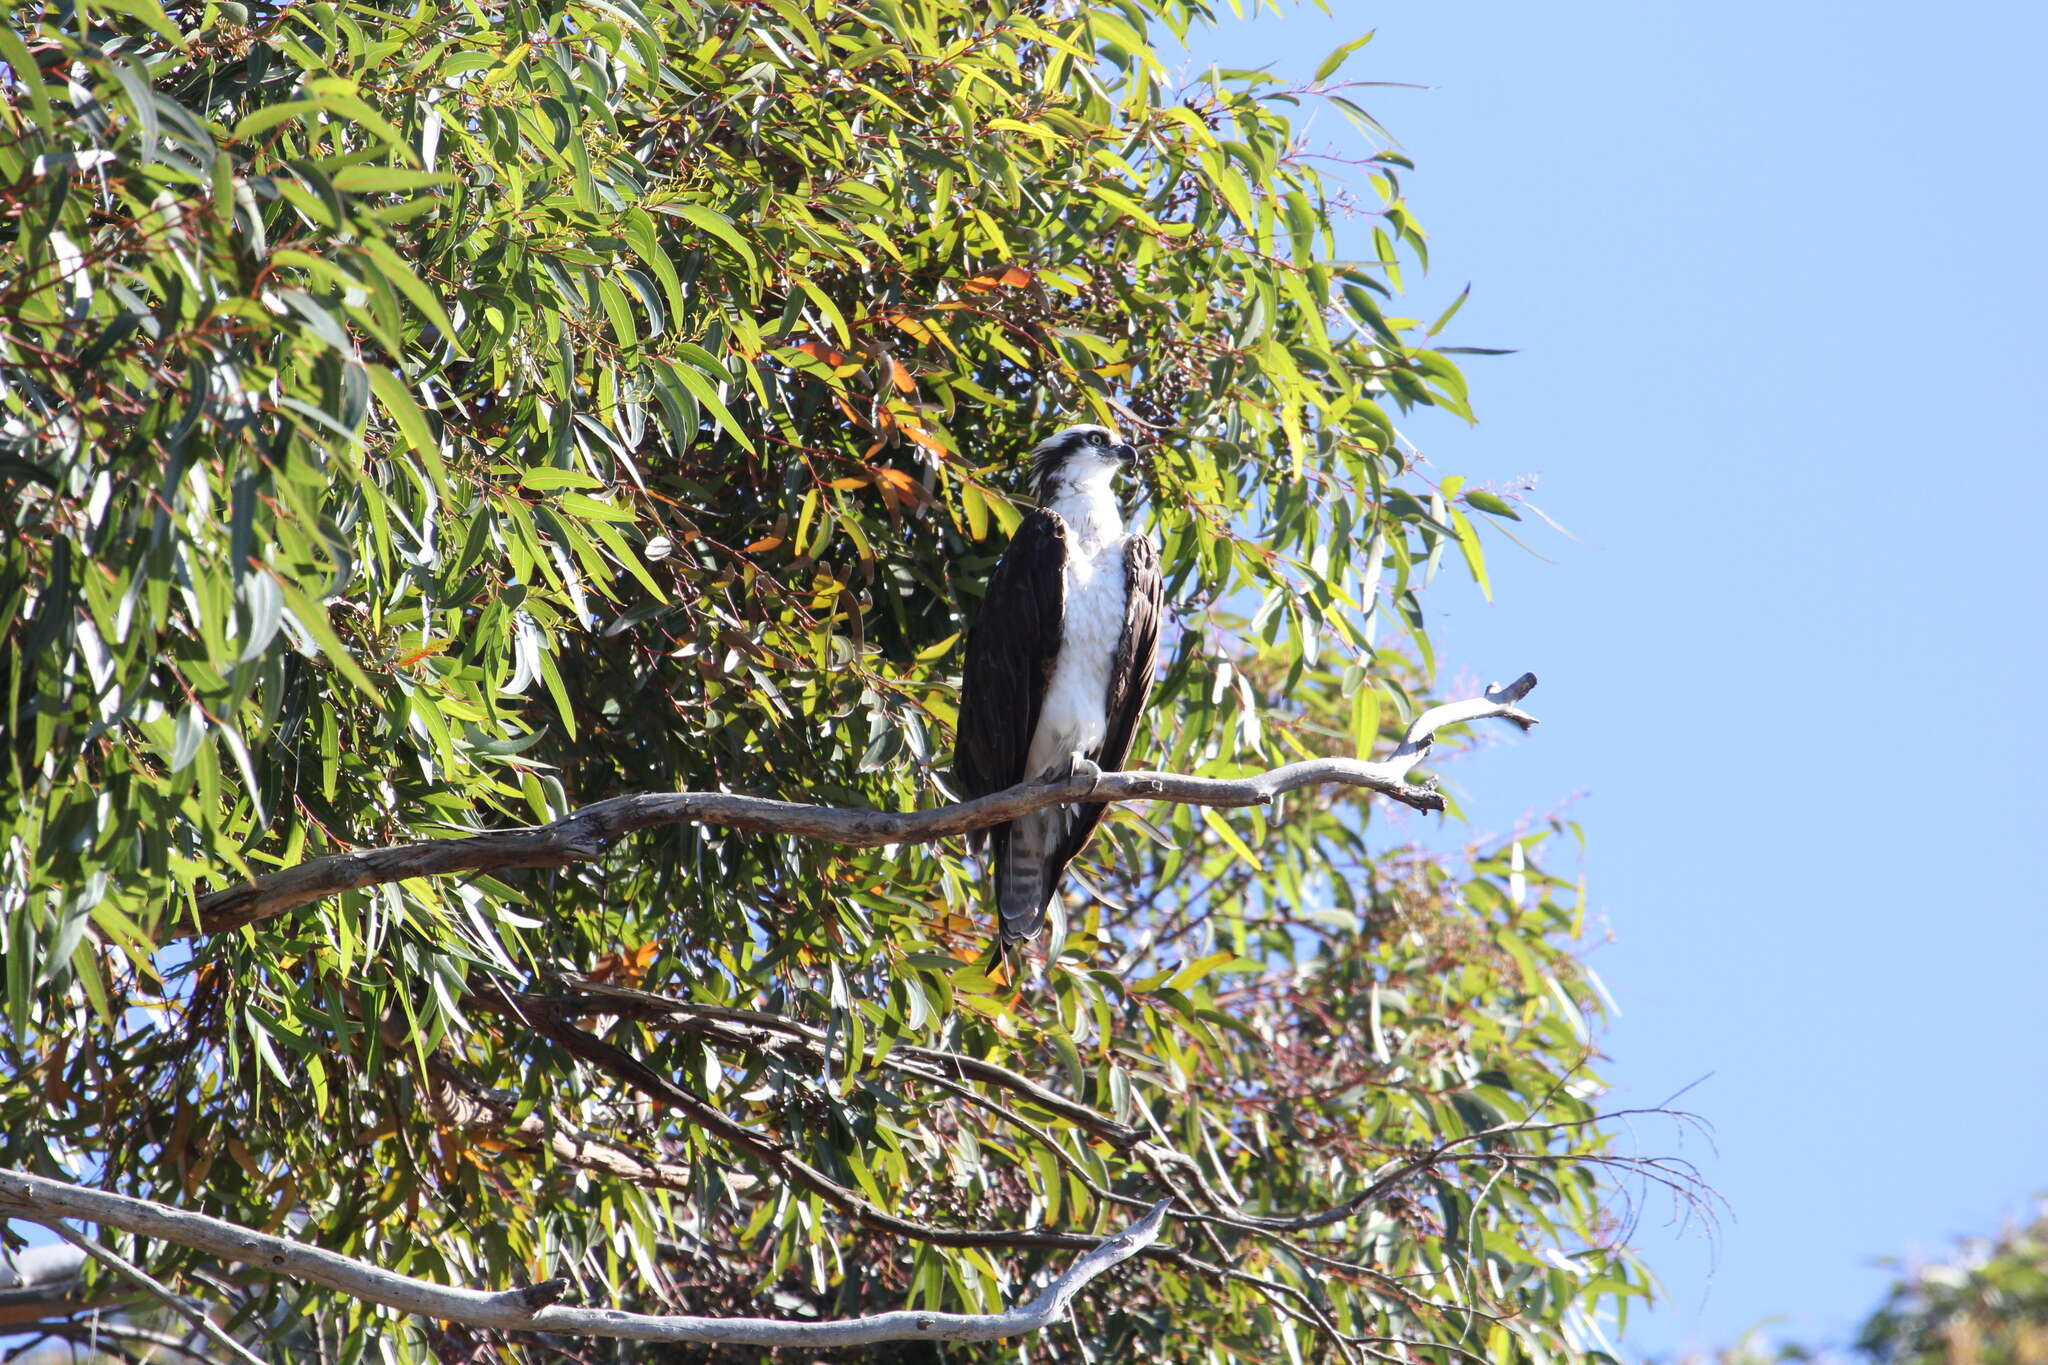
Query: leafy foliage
x,y
419,418
1984,1303
1987,1304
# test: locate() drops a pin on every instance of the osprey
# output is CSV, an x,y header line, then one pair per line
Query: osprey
x,y
1059,664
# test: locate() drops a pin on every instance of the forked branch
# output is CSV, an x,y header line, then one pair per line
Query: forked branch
x,y
534,1309
582,835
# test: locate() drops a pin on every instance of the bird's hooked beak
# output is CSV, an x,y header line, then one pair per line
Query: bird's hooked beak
x,y
1124,455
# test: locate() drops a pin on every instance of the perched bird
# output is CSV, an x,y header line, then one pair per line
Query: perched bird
x,y
1059,664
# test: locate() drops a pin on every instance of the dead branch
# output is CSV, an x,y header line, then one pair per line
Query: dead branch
x,y
47,1201
582,835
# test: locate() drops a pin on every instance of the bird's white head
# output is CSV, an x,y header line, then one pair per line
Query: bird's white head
x,y
1081,459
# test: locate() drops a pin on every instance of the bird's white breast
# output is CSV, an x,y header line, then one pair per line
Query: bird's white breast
x,y
1075,715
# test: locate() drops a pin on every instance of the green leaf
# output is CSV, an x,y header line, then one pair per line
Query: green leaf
x,y
385,179
1450,312
1493,503
27,75
694,373
148,12
583,505
1332,63
715,223
191,730
312,618
547,478
1475,554
1222,830
269,116
412,423
1365,720
401,275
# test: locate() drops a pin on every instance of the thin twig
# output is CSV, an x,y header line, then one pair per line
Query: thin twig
x,y
775,1154
756,1029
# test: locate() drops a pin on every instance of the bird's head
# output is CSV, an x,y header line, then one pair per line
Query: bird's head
x,y
1076,458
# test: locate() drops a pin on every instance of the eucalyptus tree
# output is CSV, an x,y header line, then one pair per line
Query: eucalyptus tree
x,y
444,419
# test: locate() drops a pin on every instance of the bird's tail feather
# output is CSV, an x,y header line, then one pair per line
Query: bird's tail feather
x,y
1025,874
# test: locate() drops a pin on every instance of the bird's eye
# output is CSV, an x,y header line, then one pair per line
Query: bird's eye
x,y
1096,438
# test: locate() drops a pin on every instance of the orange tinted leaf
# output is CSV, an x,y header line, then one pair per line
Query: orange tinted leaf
x,y
431,647
911,327
898,488
928,441
1017,277
627,968
764,543
823,353
898,375
849,481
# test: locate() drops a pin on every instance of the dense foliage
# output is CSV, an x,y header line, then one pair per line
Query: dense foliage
x,y
424,417
1985,1304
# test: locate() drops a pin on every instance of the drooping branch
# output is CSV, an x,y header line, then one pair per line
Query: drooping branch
x,y
47,1201
582,835
765,1148
558,1017
760,1031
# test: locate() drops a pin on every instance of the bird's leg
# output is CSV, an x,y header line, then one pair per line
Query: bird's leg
x,y
1078,764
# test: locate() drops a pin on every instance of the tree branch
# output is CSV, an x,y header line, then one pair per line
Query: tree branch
x,y
38,1284
766,1148
207,1326
757,1030
581,836
529,1310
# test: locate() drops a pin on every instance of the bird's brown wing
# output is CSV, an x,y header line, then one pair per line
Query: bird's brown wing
x,y
1010,654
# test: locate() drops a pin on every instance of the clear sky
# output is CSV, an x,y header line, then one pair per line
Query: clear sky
x,y
1775,273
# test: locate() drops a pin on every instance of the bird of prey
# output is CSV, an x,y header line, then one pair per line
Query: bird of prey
x,y
1059,665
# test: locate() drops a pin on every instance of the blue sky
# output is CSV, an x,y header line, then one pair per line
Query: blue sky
x,y
1775,273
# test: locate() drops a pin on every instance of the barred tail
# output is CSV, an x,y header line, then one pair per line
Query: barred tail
x,y
1027,873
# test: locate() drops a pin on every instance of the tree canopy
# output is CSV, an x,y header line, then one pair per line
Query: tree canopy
x,y
1983,1302
420,419
1986,1303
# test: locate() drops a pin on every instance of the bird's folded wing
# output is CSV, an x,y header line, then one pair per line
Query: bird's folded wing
x,y
1010,654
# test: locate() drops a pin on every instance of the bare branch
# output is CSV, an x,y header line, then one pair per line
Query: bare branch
x,y
128,1269
766,1148
582,835
758,1030
529,1310
40,1284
